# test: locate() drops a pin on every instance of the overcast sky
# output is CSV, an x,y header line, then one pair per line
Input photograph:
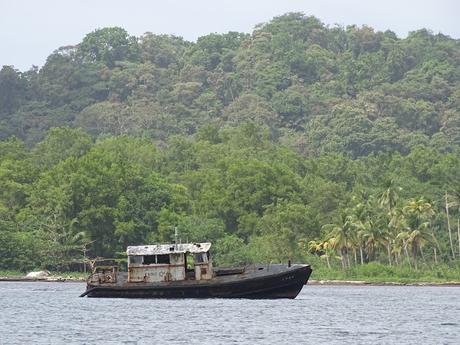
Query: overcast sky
x,y
30,30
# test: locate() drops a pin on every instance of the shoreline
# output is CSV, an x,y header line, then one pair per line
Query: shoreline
x,y
51,279
382,283
326,282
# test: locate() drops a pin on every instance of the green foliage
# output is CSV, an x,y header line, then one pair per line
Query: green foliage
x,y
107,45
254,142
255,199
60,144
13,88
351,90
19,251
230,251
379,273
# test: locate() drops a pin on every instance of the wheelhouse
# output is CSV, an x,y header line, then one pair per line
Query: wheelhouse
x,y
169,262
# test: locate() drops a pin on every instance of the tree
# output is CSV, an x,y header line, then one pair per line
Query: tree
x,y
321,248
418,213
292,105
402,241
104,118
449,228
60,144
108,45
162,50
12,90
340,236
388,200
250,107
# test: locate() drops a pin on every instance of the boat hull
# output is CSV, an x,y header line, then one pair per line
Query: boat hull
x,y
281,283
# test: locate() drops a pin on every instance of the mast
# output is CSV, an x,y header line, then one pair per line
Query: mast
x,y
175,237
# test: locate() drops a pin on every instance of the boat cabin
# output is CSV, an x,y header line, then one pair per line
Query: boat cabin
x,y
169,262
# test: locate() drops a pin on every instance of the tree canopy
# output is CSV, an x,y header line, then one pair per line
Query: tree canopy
x,y
297,139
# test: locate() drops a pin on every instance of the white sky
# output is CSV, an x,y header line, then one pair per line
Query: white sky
x,y
30,30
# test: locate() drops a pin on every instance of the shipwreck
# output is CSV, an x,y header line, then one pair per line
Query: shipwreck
x,y
186,271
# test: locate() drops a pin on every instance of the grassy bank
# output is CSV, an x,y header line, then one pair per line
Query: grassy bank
x,y
371,272
63,276
10,273
379,273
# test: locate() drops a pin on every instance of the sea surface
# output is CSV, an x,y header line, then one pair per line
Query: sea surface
x,y
52,313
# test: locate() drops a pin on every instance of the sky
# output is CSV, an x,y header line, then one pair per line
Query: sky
x,y
30,30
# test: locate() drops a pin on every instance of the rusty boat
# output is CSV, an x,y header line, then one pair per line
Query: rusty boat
x,y
186,271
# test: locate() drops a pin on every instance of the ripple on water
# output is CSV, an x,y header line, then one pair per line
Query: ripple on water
x,y
52,313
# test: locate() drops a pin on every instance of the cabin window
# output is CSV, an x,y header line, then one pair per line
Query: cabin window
x,y
199,258
163,259
136,260
148,259
176,258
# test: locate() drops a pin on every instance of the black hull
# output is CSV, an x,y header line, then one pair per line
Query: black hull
x,y
279,284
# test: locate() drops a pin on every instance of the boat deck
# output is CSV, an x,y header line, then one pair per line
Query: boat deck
x,y
256,281
223,276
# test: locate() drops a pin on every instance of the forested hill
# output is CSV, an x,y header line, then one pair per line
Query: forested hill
x,y
318,88
299,141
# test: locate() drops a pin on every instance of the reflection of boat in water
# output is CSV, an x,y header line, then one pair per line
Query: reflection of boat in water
x,y
186,271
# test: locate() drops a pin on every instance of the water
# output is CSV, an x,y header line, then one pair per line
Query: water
x,y
51,313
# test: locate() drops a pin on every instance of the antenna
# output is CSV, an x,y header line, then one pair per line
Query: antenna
x,y
175,236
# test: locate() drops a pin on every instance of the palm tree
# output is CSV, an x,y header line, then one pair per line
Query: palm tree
x,y
373,238
456,196
449,228
417,239
315,246
321,248
388,236
361,224
396,226
418,212
396,249
401,241
360,236
458,235
340,236
327,251
388,200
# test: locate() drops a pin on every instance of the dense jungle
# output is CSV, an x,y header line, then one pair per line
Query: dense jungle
x,y
337,146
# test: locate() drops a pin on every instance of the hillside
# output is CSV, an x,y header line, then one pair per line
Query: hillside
x,y
298,141
321,89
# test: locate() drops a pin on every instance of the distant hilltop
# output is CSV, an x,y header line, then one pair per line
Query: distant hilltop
x,y
350,90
